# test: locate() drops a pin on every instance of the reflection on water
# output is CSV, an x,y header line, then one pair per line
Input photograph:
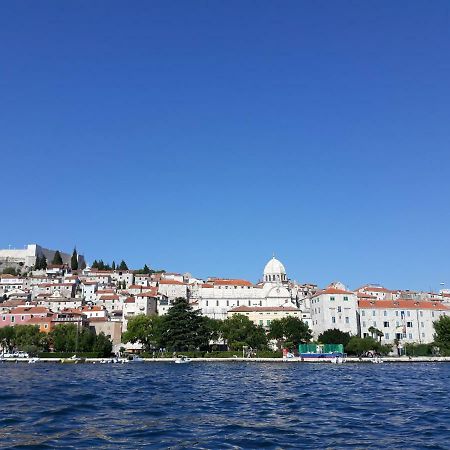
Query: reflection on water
x,y
221,405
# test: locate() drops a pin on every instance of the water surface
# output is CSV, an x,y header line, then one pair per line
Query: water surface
x,y
225,405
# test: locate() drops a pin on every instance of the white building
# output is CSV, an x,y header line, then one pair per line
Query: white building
x,y
404,319
218,296
334,308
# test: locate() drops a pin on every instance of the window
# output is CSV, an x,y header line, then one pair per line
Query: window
x,y
261,322
339,309
386,336
409,324
345,299
408,313
22,318
332,299
422,324
374,323
333,319
228,302
421,313
347,320
268,322
12,318
364,324
206,302
396,313
45,325
4,317
373,312
363,313
386,324
410,335
423,335
397,324
217,302
237,303
385,313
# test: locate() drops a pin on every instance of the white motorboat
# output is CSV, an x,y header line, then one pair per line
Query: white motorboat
x,y
182,360
33,360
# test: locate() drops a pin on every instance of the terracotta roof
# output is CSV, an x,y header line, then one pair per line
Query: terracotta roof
x,y
364,295
29,310
264,308
109,297
137,286
332,291
206,286
40,319
377,289
166,281
402,304
231,282
130,300
98,319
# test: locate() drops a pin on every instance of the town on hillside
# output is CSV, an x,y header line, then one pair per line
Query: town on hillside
x,y
48,288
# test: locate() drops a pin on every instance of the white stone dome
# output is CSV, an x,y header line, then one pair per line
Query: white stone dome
x,y
274,271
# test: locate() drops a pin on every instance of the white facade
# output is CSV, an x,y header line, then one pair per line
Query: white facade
x,y
218,296
404,319
334,308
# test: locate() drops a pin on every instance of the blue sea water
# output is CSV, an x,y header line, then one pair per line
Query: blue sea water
x,y
225,405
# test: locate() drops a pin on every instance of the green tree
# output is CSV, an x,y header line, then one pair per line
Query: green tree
x,y
442,334
38,263
358,346
103,345
64,338
113,265
10,271
238,330
28,338
43,263
334,336
183,328
57,259
74,260
7,337
144,329
123,265
289,331
95,264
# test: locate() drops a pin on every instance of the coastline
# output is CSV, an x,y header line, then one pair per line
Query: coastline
x,y
352,360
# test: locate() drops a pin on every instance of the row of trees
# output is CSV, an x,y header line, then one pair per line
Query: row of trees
x,y
64,338
100,265
183,329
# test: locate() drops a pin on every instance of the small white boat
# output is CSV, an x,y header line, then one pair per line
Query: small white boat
x,y
135,359
377,360
33,360
337,360
182,360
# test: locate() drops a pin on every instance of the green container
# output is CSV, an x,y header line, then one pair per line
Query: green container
x,y
333,348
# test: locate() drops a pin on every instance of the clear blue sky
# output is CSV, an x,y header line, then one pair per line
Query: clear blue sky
x,y
203,136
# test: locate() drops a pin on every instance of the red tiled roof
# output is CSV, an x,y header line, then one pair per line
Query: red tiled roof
x,y
231,282
109,297
332,291
167,281
264,308
402,304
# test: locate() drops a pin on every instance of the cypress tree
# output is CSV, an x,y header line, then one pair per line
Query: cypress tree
x,y
74,260
113,265
57,260
123,265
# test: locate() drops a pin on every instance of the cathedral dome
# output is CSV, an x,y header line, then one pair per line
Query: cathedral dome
x,y
274,271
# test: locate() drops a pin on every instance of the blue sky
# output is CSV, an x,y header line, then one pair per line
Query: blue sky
x,y
204,136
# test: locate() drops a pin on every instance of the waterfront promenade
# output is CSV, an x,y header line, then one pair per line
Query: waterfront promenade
x,y
353,360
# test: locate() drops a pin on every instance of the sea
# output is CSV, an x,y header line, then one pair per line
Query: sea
x,y
215,405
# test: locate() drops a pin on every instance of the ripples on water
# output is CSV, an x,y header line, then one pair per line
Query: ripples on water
x,y
225,405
